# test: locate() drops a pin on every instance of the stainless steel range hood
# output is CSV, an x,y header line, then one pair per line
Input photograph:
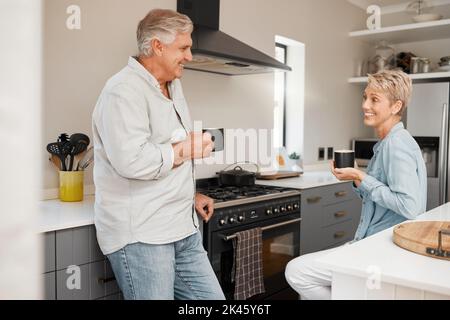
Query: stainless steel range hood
x,y
216,52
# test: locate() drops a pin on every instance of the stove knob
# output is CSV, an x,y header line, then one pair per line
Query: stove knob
x,y
289,208
241,218
276,210
232,220
222,222
295,206
283,209
268,212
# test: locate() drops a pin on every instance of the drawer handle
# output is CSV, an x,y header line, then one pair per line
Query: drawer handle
x,y
339,234
340,214
105,280
340,194
314,200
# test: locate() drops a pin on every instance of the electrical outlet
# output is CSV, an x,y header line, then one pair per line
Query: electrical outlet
x,y
321,154
330,153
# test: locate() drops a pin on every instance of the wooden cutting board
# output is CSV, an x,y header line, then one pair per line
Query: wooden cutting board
x,y
422,237
278,175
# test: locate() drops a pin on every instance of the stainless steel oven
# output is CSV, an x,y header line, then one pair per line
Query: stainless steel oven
x,y
279,217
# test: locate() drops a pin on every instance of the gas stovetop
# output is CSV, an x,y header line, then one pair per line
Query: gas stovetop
x,y
225,196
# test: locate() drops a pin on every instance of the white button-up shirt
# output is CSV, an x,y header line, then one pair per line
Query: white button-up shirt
x,y
139,197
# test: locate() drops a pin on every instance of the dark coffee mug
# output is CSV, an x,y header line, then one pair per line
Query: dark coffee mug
x,y
217,136
344,159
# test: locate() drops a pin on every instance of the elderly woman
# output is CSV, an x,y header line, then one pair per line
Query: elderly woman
x,y
394,188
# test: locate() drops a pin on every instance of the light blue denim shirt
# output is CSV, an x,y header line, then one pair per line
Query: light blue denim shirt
x,y
395,188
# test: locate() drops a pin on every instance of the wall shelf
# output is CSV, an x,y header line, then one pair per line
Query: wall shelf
x,y
413,32
419,76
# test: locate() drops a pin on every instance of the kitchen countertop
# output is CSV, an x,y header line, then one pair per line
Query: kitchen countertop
x,y
309,179
56,215
397,266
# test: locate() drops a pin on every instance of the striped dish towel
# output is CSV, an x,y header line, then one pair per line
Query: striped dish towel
x,y
248,267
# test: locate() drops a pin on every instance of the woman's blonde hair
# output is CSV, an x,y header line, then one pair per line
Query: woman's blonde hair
x,y
163,25
396,84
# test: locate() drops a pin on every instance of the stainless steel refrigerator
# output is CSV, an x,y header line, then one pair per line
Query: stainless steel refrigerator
x,y
427,119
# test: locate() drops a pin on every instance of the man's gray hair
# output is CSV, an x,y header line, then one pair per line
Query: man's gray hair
x,y
163,25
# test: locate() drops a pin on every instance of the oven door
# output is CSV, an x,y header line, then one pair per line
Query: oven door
x,y
281,243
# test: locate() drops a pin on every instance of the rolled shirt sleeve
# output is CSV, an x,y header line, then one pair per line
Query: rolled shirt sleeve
x,y
401,193
124,127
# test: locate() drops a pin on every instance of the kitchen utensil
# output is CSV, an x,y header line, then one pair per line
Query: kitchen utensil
x,y
56,148
78,158
80,136
56,161
429,238
238,176
79,142
88,162
77,148
63,137
67,150
88,157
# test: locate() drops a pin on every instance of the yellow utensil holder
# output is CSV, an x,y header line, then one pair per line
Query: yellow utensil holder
x,y
71,186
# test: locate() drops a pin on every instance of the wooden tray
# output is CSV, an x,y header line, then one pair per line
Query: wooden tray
x,y
278,175
429,238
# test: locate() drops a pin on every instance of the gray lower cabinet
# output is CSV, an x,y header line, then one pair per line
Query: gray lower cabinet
x,y
49,285
75,267
91,285
330,216
49,252
76,247
73,283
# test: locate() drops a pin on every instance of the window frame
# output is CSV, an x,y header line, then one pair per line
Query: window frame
x,y
285,49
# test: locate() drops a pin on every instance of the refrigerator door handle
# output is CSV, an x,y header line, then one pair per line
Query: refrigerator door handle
x,y
443,162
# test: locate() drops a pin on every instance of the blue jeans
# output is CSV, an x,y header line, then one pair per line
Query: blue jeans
x,y
178,270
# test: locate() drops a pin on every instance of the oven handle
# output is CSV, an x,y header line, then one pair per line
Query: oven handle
x,y
273,226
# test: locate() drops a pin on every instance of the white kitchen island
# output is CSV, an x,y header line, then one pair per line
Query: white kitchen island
x,y
376,268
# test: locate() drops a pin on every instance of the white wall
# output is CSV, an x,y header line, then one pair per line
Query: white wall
x,y
77,64
20,103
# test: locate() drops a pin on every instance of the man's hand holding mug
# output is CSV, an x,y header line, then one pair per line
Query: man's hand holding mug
x,y
197,145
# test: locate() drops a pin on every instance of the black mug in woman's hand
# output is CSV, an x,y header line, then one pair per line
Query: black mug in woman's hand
x,y
344,159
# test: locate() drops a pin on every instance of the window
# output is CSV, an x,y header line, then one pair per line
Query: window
x,y
289,96
280,99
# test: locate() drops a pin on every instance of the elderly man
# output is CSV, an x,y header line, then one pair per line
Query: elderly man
x,y
145,186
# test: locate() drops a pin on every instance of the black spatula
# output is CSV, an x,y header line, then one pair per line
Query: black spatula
x,y
56,148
